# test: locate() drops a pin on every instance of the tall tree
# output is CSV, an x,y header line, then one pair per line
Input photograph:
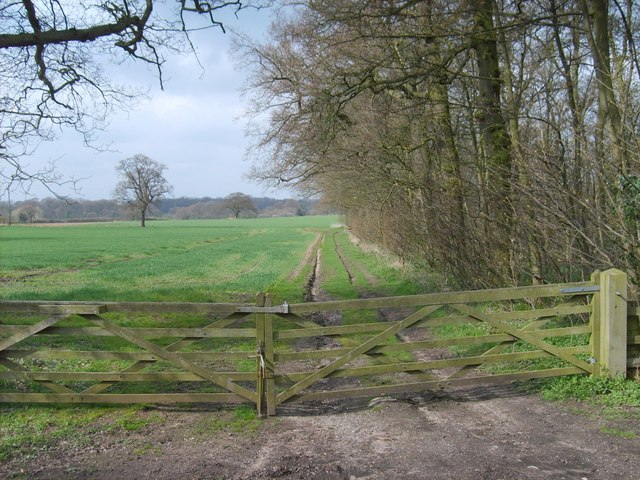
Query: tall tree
x,y
495,143
142,184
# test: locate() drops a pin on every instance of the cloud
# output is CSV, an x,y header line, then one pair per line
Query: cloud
x,y
191,126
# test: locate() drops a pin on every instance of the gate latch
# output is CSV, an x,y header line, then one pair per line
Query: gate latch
x,y
261,376
261,365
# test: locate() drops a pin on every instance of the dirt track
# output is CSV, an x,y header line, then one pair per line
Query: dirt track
x,y
495,433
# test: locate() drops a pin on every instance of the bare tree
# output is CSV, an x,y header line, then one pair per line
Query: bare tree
x,y
51,58
495,140
142,184
238,203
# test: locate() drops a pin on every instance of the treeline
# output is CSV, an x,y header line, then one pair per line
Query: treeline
x,y
182,209
78,210
496,140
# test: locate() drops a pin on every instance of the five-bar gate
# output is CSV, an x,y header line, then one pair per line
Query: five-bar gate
x,y
269,355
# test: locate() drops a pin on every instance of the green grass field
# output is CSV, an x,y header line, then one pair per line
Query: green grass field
x,y
202,261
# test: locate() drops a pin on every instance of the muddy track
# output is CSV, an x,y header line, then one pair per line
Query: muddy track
x,y
309,257
313,291
349,268
312,286
315,294
343,260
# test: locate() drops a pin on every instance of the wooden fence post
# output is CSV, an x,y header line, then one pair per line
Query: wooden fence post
x,y
610,324
260,300
265,387
270,386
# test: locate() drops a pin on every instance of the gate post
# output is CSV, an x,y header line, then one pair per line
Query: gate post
x,y
269,377
610,324
264,339
260,370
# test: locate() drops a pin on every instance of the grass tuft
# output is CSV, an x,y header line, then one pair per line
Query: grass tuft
x,y
243,419
616,392
616,432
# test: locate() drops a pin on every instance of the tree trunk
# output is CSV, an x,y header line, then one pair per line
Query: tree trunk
x,y
596,19
615,168
493,132
525,221
453,179
575,198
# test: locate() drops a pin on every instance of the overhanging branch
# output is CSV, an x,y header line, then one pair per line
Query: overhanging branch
x,y
52,37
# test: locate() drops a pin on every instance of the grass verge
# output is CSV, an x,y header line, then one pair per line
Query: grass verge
x,y
615,393
25,430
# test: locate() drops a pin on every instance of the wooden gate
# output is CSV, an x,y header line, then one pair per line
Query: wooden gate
x,y
372,347
269,355
108,361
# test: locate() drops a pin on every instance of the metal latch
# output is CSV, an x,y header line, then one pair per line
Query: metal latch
x,y
592,288
261,376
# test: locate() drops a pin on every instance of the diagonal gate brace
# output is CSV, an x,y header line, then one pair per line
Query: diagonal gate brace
x,y
174,347
172,357
26,333
354,353
16,367
526,336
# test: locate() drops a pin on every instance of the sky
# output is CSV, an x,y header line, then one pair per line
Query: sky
x,y
194,126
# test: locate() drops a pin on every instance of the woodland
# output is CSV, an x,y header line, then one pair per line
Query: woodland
x,y
493,140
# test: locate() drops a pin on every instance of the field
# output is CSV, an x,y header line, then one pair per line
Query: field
x,y
200,261
232,260
187,261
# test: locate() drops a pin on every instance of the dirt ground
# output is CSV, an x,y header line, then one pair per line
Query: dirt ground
x,y
488,433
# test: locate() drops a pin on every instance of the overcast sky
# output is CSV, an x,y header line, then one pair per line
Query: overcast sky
x,y
192,126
